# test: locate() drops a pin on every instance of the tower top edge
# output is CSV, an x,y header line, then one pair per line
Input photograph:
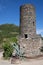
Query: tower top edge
x,y
27,5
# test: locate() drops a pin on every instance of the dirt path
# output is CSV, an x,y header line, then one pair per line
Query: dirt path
x,y
29,62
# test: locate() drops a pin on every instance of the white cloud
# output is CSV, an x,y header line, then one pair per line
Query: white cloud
x,y
40,31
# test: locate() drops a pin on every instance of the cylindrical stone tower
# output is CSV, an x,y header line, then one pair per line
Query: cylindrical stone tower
x,y
29,41
27,21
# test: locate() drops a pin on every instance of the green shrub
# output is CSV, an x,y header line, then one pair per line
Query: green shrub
x,y
8,50
13,39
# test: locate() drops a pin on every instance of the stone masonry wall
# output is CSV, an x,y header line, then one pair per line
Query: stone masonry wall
x,y
29,41
27,20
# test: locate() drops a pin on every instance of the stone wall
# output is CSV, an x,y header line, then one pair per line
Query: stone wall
x,y
29,41
30,46
27,20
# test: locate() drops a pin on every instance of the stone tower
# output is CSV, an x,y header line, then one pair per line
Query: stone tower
x,y
29,41
27,21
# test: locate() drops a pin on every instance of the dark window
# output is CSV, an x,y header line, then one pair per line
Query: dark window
x,y
26,36
33,23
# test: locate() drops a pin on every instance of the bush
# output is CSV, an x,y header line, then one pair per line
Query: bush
x,y
8,50
13,39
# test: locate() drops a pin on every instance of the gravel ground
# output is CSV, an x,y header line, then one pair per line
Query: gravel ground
x,y
28,62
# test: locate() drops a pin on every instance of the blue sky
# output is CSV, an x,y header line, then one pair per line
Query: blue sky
x,y
10,12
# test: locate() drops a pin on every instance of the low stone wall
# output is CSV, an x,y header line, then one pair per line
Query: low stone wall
x,y
31,46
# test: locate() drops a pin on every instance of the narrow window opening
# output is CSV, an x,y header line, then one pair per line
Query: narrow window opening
x,y
33,23
26,36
